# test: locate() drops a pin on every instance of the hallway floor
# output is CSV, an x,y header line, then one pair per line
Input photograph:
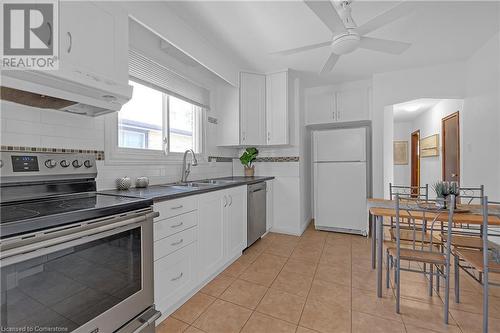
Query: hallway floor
x,y
321,282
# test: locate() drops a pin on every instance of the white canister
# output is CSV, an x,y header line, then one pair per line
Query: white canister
x,y
123,183
142,182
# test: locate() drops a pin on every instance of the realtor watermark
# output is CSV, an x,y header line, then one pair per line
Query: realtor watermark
x,y
30,34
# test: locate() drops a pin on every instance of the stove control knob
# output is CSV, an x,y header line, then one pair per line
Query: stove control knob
x,y
1,163
77,164
50,163
88,164
64,164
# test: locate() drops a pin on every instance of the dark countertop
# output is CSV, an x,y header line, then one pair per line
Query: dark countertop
x,y
161,193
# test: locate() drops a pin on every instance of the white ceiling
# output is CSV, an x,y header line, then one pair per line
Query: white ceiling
x,y
410,110
440,32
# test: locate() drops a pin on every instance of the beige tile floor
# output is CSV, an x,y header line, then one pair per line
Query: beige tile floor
x,y
320,282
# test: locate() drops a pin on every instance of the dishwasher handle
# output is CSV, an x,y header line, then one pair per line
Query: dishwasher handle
x,y
256,187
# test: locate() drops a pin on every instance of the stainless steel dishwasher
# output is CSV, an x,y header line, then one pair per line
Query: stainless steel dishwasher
x,y
256,212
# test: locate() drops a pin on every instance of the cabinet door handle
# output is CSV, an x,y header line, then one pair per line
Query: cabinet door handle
x,y
177,225
177,207
49,41
178,242
177,277
268,136
225,201
70,38
231,200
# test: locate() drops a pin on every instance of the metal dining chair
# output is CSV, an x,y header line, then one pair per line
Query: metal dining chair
x,y
418,192
421,192
479,261
418,251
466,235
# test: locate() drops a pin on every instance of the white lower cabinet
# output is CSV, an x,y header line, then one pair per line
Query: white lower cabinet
x,y
235,221
175,276
191,247
211,232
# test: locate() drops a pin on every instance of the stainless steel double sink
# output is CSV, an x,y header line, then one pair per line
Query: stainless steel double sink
x,y
199,184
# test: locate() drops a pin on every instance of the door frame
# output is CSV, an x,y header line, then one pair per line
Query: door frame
x,y
443,145
412,167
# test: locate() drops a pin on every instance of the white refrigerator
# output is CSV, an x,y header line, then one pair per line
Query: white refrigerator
x,y
340,183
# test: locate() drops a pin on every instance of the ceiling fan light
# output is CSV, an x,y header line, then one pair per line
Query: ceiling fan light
x,y
345,44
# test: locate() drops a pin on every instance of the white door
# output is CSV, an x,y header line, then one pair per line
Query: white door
x,y
87,38
253,109
340,196
353,104
235,221
277,108
211,232
340,145
320,108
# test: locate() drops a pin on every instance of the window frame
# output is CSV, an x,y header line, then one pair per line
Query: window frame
x,y
124,155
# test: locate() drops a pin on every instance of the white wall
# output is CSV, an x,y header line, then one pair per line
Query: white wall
x,y
481,119
402,132
158,17
428,123
443,81
32,127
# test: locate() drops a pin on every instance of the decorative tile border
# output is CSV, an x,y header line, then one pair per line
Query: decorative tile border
x,y
278,159
99,154
220,159
259,159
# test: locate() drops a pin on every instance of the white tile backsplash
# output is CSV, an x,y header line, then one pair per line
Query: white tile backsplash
x,y
32,127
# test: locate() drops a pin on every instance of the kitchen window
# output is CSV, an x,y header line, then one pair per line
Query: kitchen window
x,y
156,121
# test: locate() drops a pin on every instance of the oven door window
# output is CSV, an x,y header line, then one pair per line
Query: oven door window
x,y
66,289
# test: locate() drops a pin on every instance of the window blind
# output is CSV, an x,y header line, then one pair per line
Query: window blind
x,y
153,74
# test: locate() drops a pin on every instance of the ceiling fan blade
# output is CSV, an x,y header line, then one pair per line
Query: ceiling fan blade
x,y
330,63
383,45
302,48
402,9
327,14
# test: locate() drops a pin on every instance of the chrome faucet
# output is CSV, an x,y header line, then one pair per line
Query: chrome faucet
x,y
186,169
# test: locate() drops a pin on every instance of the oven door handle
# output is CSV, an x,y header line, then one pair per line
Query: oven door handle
x,y
33,250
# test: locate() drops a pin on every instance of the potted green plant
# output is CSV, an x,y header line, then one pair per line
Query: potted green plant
x,y
443,190
247,159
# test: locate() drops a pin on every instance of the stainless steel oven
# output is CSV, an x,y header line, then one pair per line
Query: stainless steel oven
x,y
91,276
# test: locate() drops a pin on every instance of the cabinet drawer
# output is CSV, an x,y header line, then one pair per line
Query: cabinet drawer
x,y
175,207
172,243
170,226
174,276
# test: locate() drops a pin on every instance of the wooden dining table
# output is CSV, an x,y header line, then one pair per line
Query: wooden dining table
x,y
380,208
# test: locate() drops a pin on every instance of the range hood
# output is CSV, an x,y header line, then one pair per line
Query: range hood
x,y
70,91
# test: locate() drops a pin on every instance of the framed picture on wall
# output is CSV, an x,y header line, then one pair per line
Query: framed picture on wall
x,y
400,152
429,146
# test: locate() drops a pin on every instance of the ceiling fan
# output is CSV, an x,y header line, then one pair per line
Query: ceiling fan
x,y
347,36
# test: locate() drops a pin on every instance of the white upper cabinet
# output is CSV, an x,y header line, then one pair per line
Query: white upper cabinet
x,y
321,108
352,105
94,40
261,118
340,104
277,108
253,109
